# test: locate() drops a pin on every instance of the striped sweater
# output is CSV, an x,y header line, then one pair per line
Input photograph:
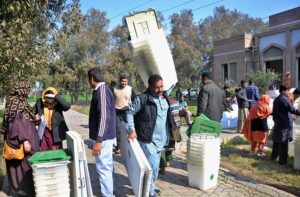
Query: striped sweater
x,y
102,118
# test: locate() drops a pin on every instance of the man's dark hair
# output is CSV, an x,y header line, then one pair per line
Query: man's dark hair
x,y
236,90
296,91
205,75
282,88
243,82
123,76
96,74
225,87
250,82
153,79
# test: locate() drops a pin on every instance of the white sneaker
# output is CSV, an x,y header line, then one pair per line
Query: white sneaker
x,y
261,154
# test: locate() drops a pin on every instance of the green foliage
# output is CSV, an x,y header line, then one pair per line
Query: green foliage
x,y
184,45
25,37
120,59
263,79
1,116
81,44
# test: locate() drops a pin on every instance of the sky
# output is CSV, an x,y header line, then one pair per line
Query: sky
x,y
116,9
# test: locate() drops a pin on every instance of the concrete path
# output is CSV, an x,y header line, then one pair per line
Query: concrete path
x,y
175,181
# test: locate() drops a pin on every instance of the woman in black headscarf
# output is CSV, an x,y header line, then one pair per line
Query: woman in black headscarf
x,y
19,129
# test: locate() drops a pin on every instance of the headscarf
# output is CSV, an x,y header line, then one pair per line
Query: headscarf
x,y
48,109
263,108
17,103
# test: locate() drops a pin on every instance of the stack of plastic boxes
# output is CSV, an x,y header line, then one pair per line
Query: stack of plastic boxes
x,y
150,49
51,173
203,153
297,152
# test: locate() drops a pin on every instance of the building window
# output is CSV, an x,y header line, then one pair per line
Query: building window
x,y
232,71
229,71
225,72
144,27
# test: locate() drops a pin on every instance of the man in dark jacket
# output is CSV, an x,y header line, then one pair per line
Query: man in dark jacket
x,y
283,125
243,104
102,129
211,99
149,120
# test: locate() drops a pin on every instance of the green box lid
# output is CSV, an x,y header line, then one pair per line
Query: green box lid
x,y
202,124
49,156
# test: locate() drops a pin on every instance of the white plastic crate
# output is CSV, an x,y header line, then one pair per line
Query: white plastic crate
x,y
51,179
202,178
203,161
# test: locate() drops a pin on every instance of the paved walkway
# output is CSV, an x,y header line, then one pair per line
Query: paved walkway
x,y
175,181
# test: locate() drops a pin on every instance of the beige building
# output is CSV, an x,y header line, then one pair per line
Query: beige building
x,y
277,49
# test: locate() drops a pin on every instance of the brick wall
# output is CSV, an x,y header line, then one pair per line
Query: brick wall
x,y
284,17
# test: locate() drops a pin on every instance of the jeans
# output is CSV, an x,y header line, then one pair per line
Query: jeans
x,y
154,160
105,167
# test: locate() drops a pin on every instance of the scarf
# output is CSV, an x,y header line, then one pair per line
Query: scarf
x,y
17,103
48,108
260,110
263,108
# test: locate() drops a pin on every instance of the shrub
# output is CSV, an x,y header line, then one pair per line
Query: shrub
x,y
263,79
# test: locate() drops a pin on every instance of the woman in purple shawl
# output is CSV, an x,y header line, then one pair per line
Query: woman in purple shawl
x,y
19,128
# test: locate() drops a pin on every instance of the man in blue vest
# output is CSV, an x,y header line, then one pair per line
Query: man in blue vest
x,y
149,120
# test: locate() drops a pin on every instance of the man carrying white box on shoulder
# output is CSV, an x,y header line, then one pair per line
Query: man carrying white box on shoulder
x,y
150,121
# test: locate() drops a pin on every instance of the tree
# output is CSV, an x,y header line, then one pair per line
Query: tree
x,y
264,79
120,58
183,43
25,37
82,43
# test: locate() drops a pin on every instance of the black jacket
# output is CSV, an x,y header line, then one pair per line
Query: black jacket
x,y
145,119
59,126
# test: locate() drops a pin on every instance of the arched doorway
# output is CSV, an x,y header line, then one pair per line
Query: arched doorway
x,y
273,58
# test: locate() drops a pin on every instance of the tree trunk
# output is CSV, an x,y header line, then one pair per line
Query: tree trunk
x,y
72,100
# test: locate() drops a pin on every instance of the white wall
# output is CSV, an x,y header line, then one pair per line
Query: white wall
x,y
265,41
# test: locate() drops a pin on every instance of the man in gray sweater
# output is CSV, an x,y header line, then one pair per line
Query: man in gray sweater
x,y
211,99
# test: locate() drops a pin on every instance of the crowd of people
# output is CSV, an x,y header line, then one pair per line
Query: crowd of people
x,y
253,111
151,118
